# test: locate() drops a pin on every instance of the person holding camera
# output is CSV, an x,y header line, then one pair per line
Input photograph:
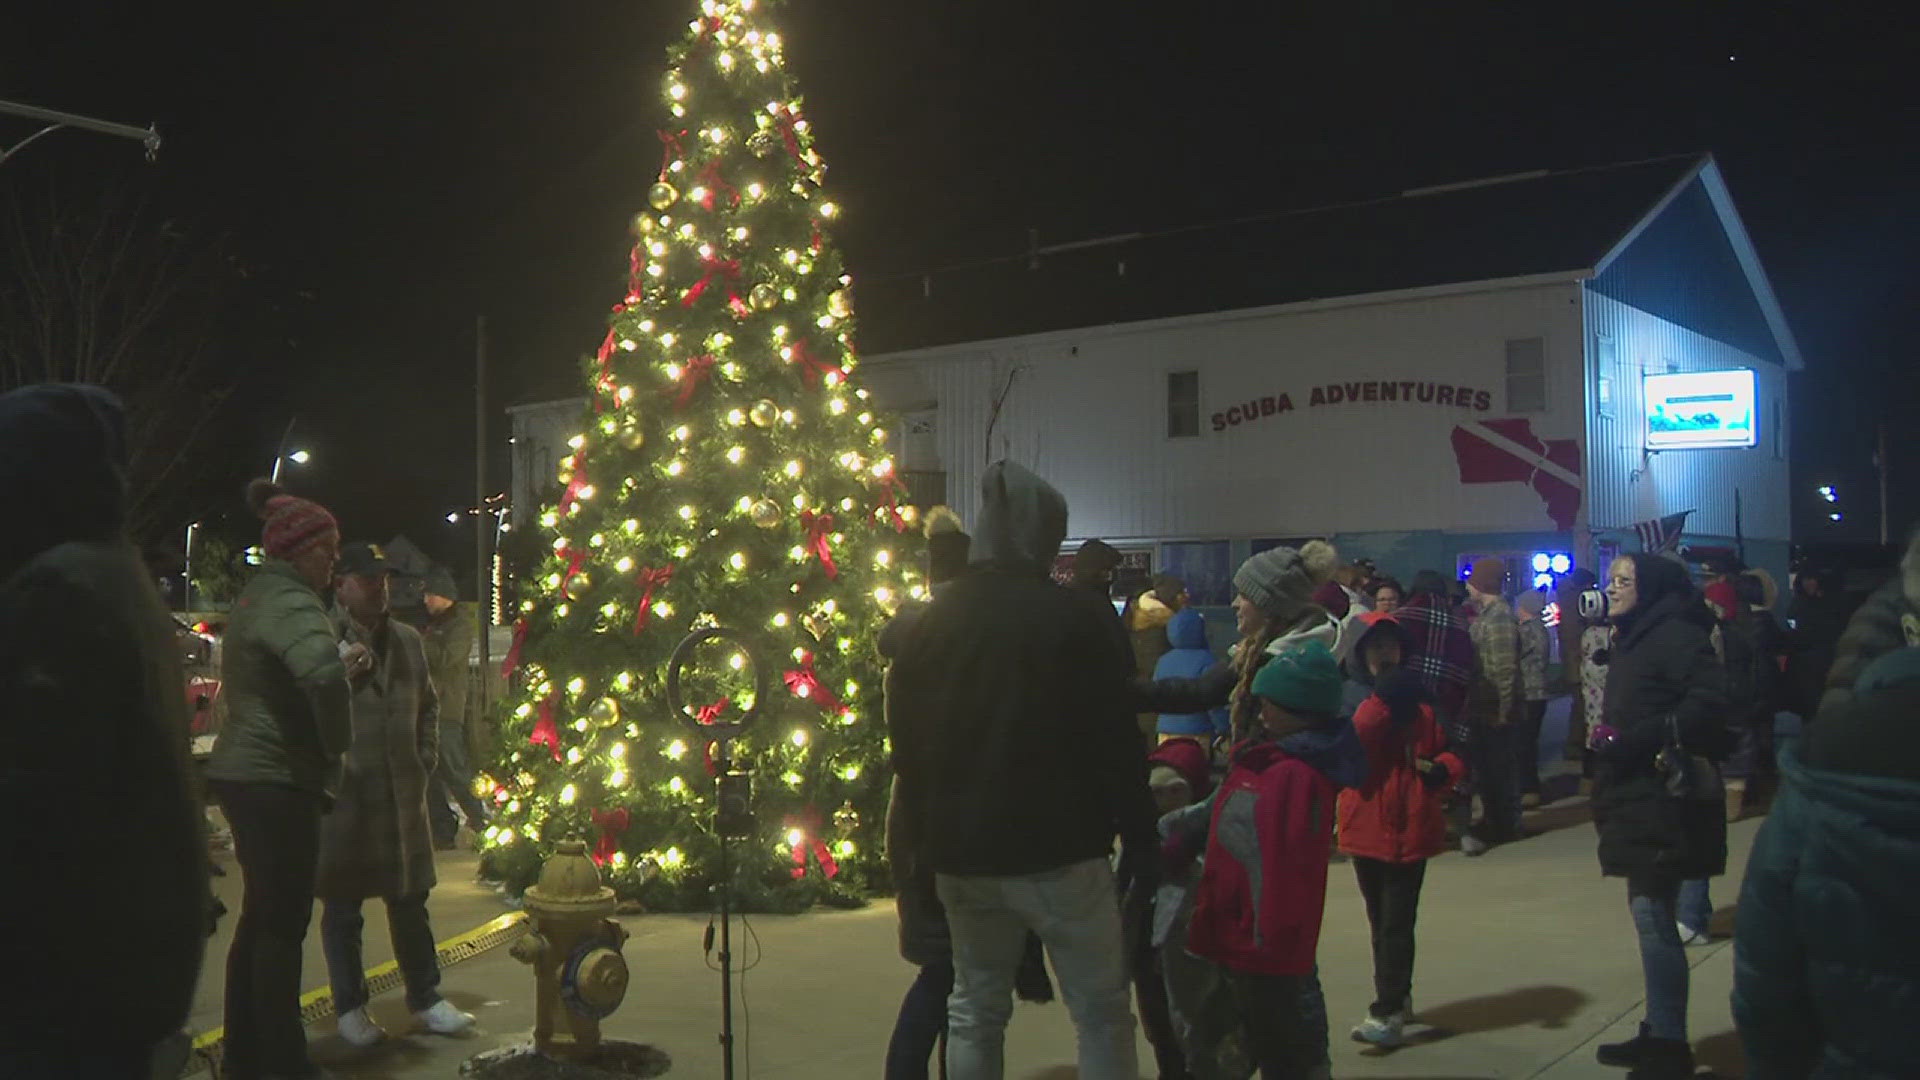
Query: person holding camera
x,y
1657,803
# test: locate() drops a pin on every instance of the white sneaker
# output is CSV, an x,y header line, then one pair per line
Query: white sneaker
x,y
359,1029
1690,936
444,1019
1382,1031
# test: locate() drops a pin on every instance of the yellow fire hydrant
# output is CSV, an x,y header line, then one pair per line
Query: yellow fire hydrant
x,y
575,953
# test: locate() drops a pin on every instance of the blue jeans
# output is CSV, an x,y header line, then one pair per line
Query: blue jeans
x,y
1075,911
1663,960
1694,907
340,927
923,1017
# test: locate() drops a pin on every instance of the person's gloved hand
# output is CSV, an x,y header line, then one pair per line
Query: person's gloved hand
x,y
1434,774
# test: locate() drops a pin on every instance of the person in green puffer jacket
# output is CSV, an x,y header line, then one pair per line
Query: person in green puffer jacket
x,y
275,769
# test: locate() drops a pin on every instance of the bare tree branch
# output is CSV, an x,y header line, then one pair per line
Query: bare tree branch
x,y
103,293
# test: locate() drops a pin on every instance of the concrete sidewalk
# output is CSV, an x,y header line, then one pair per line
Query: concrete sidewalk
x,y
1527,960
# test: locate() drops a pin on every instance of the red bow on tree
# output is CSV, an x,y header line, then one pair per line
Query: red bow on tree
x,y
611,824
670,148
545,732
812,368
512,663
787,122
605,357
804,682
708,714
574,486
807,824
696,371
819,529
713,264
890,488
715,183
574,563
650,578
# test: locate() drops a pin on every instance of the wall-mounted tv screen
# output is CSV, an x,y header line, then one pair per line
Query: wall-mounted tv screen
x,y
1694,410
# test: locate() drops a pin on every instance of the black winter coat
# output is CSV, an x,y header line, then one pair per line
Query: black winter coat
x,y
1662,666
1010,723
1872,632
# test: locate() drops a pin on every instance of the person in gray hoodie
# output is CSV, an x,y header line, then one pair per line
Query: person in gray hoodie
x,y
96,782
1010,684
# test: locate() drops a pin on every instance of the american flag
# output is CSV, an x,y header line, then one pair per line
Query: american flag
x,y
1661,534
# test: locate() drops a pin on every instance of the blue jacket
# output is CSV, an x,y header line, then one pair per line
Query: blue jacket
x,y
1189,659
1826,956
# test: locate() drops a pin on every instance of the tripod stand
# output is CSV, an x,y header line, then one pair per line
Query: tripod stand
x,y
732,805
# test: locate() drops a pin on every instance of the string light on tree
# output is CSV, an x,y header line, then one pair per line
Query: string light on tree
x,y
722,478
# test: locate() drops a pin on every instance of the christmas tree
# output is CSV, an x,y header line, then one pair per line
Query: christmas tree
x,y
731,473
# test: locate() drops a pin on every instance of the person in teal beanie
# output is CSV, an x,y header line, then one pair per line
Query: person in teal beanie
x,y
1268,830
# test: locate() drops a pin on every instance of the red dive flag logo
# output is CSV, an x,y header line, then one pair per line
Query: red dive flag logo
x,y
1508,452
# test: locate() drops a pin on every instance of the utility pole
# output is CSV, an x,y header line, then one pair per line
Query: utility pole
x,y
1880,460
55,120
482,576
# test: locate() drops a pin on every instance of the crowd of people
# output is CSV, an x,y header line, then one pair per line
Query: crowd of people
x,y
1360,715
1352,713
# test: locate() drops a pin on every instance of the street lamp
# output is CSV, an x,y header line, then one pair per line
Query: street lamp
x,y
187,603
298,457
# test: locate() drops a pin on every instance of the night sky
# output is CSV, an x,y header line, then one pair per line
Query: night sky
x,y
388,177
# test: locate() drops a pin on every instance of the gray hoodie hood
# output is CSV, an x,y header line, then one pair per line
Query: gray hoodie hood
x,y
1023,520
63,465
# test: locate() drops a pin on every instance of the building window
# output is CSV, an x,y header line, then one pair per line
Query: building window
x,y
1183,404
1779,430
1527,375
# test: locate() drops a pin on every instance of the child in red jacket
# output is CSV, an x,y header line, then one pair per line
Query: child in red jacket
x,y
1392,824
1263,888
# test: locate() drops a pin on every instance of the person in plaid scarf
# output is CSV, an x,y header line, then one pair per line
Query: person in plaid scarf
x,y
1496,701
1440,652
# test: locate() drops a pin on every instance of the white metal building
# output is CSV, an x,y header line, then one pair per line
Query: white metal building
x,y
1448,373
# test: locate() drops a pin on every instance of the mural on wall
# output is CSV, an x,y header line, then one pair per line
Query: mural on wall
x,y
1508,452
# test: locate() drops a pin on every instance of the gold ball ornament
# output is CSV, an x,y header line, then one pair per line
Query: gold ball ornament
x,y
763,296
662,195
632,437
846,819
644,224
604,712
763,413
840,303
578,586
765,513
762,143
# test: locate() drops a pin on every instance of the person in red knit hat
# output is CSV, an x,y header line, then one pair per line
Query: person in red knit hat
x,y
275,770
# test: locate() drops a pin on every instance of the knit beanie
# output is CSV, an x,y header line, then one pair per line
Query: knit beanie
x,y
1488,576
291,523
1305,680
947,545
1724,598
1094,558
1281,581
1167,588
440,583
1186,757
